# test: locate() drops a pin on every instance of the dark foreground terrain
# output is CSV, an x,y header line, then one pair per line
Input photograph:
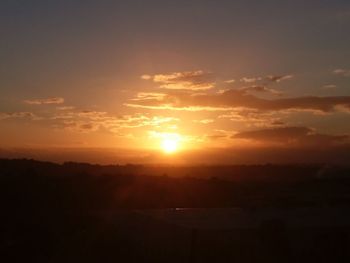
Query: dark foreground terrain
x,y
89,213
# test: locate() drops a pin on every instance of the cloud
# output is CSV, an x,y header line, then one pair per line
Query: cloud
x,y
87,126
214,137
80,126
291,135
218,135
64,108
149,96
233,99
249,80
253,118
204,121
188,80
94,120
274,134
276,78
261,89
55,100
329,86
201,80
270,78
140,120
146,77
342,72
277,123
6,115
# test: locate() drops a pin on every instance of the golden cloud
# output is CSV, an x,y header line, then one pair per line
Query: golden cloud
x,y
188,80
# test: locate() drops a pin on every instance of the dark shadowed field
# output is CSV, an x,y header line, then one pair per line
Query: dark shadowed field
x,y
89,213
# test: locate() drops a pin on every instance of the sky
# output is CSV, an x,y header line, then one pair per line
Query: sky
x,y
175,81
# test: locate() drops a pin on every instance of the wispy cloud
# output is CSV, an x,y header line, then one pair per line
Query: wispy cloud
x,y
149,96
80,126
146,77
329,86
54,100
261,89
6,115
267,79
87,121
342,72
204,121
249,80
64,108
253,118
188,80
219,134
279,78
291,135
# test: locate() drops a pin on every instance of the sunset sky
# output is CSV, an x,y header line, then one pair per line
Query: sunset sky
x,y
200,81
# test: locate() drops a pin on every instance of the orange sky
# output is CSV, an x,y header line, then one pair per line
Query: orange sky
x,y
226,79
194,112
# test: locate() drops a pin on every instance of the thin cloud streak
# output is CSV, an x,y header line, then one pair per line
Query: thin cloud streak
x,y
291,135
54,100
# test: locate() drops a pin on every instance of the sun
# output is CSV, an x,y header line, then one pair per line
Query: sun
x,y
170,142
169,145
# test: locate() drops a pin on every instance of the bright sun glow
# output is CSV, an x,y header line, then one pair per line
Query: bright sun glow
x,y
169,142
169,145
